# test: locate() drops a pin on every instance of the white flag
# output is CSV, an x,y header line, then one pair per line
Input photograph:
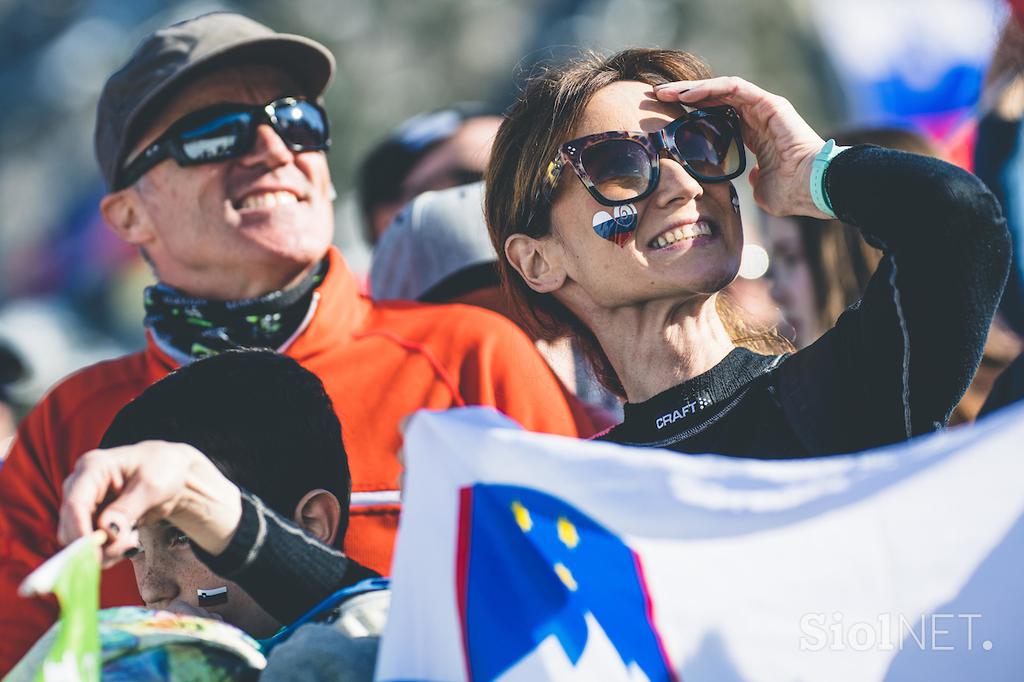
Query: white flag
x,y
523,556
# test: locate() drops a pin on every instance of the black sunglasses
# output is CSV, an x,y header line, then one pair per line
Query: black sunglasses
x,y
225,131
619,167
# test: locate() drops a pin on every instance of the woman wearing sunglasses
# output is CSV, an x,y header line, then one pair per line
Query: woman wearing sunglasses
x,y
610,202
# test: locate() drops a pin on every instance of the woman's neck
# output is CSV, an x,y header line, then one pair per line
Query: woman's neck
x,y
661,344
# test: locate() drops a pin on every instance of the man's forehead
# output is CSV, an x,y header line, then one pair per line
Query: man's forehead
x,y
248,84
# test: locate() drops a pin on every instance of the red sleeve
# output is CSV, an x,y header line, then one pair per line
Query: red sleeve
x,y
67,423
508,372
28,515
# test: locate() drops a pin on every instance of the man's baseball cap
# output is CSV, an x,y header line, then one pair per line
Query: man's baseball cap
x,y
166,58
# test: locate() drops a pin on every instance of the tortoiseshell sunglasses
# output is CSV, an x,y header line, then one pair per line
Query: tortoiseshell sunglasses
x,y
619,167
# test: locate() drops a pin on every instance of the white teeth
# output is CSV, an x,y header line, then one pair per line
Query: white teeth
x,y
269,200
696,230
701,228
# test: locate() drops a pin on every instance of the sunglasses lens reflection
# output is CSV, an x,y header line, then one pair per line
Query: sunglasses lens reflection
x,y
217,138
620,169
709,146
301,125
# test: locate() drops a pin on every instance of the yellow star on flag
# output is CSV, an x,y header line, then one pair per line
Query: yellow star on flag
x,y
567,533
522,515
565,575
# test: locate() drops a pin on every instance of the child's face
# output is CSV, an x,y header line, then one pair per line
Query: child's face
x,y
169,574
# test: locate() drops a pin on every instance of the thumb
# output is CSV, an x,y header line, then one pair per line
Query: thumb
x,y
122,515
755,173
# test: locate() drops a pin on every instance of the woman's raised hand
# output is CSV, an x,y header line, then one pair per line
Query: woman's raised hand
x,y
139,484
784,144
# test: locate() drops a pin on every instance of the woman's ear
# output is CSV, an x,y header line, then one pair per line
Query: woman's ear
x,y
319,514
124,214
538,262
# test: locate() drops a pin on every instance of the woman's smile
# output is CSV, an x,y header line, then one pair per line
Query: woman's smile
x,y
683,236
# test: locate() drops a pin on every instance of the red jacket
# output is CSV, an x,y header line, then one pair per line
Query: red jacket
x,y
379,362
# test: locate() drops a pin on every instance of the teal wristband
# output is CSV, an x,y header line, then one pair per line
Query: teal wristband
x,y
818,168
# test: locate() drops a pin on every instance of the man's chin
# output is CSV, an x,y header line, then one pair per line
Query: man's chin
x,y
288,247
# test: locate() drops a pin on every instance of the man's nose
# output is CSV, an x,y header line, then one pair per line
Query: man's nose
x,y
267,149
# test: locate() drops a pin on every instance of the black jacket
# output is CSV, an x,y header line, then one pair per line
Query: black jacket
x,y
896,363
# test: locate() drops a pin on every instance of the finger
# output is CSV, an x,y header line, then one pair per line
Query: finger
x,y
124,547
70,522
724,89
139,497
83,490
121,546
184,608
755,172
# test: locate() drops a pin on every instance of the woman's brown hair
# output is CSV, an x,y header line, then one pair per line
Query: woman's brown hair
x,y
545,116
840,261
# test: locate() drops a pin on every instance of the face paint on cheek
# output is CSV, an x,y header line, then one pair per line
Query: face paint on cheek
x,y
214,596
617,226
735,198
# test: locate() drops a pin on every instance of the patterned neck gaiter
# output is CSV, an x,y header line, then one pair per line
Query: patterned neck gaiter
x,y
198,327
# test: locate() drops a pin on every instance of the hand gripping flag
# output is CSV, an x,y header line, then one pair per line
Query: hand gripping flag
x,y
525,556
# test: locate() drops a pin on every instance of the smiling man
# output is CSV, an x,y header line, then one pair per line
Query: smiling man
x,y
212,143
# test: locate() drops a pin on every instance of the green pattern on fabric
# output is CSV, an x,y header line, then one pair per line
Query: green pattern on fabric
x,y
75,654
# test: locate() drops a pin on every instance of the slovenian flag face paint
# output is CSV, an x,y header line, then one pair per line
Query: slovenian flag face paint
x,y
213,597
617,226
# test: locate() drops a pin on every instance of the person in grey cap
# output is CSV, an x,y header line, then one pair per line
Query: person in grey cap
x,y
437,250
212,143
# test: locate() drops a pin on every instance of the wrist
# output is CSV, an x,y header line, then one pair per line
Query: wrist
x,y
816,182
216,534
804,203
211,507
803,200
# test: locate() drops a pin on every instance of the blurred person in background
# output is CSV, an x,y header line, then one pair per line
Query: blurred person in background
x,y
437,250
430,151
999,161
999,150
609,203
212,145
822,267
11,371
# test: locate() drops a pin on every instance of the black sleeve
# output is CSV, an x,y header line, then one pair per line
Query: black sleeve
x,y
285,570
908,350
